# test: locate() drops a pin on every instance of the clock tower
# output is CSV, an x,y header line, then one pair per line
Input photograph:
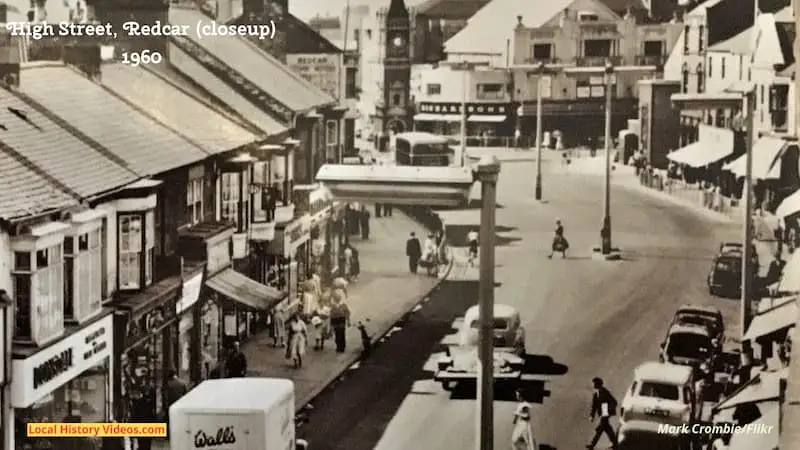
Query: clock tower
x,y
397,70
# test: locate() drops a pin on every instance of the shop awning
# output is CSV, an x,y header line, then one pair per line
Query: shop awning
x,y
764,387
700,154
770,321
428,117
486,118
789,205
244,290
771,420
790,277
766,160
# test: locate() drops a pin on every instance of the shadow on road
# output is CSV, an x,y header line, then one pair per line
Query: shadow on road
x,y
543,365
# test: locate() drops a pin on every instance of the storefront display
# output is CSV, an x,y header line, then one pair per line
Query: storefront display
x,y
68,381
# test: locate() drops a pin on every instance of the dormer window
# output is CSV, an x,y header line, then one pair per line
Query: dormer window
x,y
587,16
135,249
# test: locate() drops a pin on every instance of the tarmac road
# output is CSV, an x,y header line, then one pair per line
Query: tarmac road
x,y
584,318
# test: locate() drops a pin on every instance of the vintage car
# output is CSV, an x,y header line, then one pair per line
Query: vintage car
x,y
460,362
725,277
661,393
647,435
702,315
690,345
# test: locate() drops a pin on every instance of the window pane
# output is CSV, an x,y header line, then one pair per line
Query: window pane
x,y
129,271
41,258
83,242
95,291
22,312
150,232
84,283
22,261
189,194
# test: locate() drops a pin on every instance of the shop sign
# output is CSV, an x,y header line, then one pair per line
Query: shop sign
x,y
320,203
472,108
191,293
296,234
321,70
215,432
51,367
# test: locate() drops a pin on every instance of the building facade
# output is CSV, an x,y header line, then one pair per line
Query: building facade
x,y
439,92
566,57
397,103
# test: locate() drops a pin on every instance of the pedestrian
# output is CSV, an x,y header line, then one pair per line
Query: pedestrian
x,y
377,210
175,389
604,406
308,299
236,362
364,217
298,341
279,326
413,252
340,319
355,265
522,435
387,209
366,339
320,324
347,268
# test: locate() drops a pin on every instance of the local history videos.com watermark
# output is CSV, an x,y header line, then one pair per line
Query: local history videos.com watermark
x,y
716,429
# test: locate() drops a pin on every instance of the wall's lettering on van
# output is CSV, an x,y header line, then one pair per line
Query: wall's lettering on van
x,y
221,437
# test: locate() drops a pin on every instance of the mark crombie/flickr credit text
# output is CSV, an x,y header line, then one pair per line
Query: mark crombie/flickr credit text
x,y
97,429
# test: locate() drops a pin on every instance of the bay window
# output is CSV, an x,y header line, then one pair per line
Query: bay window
x,y
235,198
83,275
194,201
331,140
38,278
136,249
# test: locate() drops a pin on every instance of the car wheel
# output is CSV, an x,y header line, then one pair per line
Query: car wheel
x,y
447,386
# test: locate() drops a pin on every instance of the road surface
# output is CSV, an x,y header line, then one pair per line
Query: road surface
x,y
584,318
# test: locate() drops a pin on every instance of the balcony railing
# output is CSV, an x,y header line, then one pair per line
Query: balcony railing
x,y
534,60
598,61
650,60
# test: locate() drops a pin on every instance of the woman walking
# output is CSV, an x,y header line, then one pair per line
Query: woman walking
x,y
340,319
279,326
298,340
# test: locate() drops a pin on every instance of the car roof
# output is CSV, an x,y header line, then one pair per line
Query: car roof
x,y
500,311
706,309
670,373
688,328
731,244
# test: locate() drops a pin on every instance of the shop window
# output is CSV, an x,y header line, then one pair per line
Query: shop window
x,y
194,201
83,275
136,250
235,204
38,280
490,91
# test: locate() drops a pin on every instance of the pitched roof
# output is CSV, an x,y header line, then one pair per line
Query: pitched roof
x,y
253,64
88,171
88,108
622,6
741,44
176,109
292,35
450,9
24,192
490,28
188,66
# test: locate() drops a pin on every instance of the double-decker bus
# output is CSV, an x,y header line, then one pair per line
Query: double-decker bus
x,y
417,148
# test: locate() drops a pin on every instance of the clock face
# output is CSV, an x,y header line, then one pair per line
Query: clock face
x,y
398,41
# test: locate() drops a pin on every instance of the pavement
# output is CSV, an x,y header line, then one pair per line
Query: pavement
x,y
584,318
384,292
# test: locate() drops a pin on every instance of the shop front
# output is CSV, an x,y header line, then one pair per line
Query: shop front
x,y
488,124
290,254
190,329
67,381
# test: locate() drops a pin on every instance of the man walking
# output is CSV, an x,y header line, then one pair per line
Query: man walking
x,y
414,252
604,406
236,363
387,209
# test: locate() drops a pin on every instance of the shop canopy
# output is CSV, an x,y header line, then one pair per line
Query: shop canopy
x,y
428,117
244,290
699,154
764,387
487,118
789,205
771,419
766,160
778,318
790,277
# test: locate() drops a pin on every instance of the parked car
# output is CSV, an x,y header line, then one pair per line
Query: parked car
x,y
690,345
725,277
702,315
461,360
661,393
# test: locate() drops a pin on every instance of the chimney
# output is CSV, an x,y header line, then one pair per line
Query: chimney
x,y
519,22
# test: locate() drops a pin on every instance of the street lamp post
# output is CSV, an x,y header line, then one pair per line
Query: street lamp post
x,y
747,233
539,84
605,231
486,172
464,88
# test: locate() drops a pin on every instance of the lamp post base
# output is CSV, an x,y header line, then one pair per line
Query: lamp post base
x,y
614,255
538,191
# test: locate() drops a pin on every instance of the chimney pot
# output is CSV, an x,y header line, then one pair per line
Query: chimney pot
x,y
519,20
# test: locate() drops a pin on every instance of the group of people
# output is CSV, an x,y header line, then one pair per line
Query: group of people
x,y
427,255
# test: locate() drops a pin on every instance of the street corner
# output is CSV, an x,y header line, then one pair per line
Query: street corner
x,y
614,255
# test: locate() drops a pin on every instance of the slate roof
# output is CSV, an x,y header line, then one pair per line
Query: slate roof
x,y
188,66
292,35
24,192
86,172
176,109
737,45
489,29
148,147
450,9
255,65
